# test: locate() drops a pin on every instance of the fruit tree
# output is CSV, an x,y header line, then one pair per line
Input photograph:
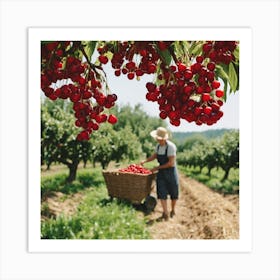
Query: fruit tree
x,y
191,78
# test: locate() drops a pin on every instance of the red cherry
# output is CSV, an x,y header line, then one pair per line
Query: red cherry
x,y
83,135
188,74
207,110
211,66
181,67
101,118
163,115
187,89
206,97
219,93
87,95
130,65
215,84
207,47
213,55
131,75
152,68
199,90
124,71
161,45
118,72
215,106
143,52
112,119
82,81
59,52
95,126
151,87
175,122
103,59
139,72
198,110
199,59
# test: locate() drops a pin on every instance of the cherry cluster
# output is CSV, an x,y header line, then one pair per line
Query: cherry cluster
x,y
183,91
135,169
220,51
65,76
125,53
189,93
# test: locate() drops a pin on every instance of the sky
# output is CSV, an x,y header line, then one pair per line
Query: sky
x,y
133,92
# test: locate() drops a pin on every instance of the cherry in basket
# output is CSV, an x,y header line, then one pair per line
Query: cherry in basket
x,y
135,169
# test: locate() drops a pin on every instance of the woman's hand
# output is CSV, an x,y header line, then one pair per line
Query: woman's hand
x,y
153,170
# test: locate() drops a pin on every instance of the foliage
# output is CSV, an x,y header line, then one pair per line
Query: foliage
x,y
194,139
229,150
141,125
221,152
215,182
110,145
181,137
58,140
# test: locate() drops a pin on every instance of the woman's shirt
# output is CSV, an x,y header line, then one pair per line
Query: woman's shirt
x,y
171,151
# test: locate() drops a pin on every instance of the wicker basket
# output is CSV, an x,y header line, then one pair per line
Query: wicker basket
x,y
130,186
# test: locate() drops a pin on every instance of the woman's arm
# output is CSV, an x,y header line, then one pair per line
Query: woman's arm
x,y
170,163
151,158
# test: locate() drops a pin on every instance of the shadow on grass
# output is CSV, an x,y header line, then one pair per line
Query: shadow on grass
x,y
141,207
58,183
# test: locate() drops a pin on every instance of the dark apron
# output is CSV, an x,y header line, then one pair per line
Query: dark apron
x,y
167,178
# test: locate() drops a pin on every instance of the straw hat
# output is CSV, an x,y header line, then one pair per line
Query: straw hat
x,y
160,133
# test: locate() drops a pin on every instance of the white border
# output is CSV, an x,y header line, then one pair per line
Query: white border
x,y
244,35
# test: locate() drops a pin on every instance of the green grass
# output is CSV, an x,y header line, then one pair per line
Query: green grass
x,y
85,179
97,217
229,186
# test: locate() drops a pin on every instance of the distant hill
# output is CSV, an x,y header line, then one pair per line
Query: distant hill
x,y
180,137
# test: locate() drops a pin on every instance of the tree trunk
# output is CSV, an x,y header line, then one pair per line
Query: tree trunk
x,y
103,164
209,171
226,174
72,172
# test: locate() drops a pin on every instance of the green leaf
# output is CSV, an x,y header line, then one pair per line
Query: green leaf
x,y
89,48
185,46
221,73
178,49
78,54
196,48
109,55
225,89
233,80
166,56
236,55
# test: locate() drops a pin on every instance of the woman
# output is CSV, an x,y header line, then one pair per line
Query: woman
x,y
167,178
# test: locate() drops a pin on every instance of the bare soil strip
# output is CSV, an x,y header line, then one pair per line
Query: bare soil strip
x,y
200,214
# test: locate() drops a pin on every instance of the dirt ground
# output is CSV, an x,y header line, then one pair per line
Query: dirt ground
x,y
200,213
